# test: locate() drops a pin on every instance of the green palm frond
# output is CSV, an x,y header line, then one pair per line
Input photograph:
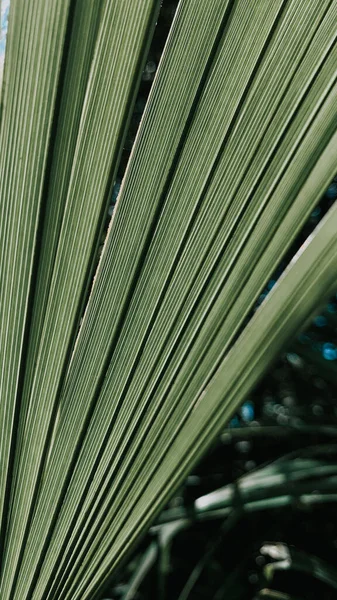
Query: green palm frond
x,y
116,379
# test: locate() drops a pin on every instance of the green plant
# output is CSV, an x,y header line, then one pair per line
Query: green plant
x,y
111,390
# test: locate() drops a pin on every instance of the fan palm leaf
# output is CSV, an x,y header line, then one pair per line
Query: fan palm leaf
x,y
113,387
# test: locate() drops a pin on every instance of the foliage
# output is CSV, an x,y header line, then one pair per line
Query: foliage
x,y
119,372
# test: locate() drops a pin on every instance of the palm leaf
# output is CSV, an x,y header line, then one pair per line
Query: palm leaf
x,y
36,43
78,234
107,401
